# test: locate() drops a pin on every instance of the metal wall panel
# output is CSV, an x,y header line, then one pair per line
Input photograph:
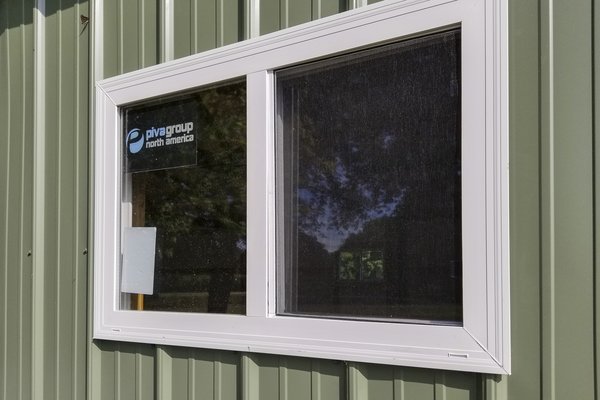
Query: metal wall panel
x,y
132,33
65,131
60,355
280,14
525,219
122,371
567,204
205,24
16,172
554,284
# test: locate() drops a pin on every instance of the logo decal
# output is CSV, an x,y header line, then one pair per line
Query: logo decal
x,y
135,141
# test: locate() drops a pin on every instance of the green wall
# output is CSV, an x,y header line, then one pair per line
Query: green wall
x,y
44,130
49,60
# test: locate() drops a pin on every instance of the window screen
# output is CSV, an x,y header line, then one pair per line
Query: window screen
x,y
369,184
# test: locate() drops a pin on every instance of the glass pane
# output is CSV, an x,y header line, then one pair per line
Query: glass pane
x,y
369,186
199,210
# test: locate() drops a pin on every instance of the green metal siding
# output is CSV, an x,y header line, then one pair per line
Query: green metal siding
x,y
567,203
280,14
525,219
62,329
65,130
16,153
131,31
203,25
45,350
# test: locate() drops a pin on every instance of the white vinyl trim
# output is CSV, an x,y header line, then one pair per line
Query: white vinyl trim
x,y
482,344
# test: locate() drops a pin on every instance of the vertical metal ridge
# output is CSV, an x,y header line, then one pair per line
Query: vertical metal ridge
x,y
167,18
316,11
494,388
6,213
284,9
440,385
194,26
191,370
138,376
142,28
250,383
39,196
315,380
217,377
283,379
77,298
121,48
596,173
164,374
142,37
4,80
117,372
95,69
59,214
357,383
75,221
252,18
220,25
22,251
399,383
547,271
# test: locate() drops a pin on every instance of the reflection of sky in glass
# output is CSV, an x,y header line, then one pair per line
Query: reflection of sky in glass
x,y
370,148
329,234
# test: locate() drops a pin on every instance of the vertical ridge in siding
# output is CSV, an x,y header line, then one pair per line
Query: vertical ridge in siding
x,y
26,220
81,127
65,269
4,192
270,16
205,25
295,12
130,35
230,22
13,202
16,48
279,14
567,201
194,374
122,371
524,139
183,28
4,129
596,139
51,199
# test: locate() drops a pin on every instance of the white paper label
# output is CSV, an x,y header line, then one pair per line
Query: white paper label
x,y
139,246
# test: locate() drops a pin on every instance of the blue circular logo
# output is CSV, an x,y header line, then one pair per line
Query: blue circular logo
x,y
135,140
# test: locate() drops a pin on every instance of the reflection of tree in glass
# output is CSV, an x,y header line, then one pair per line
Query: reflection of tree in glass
x,y
347,266
371,265
200,211
372,161
372,128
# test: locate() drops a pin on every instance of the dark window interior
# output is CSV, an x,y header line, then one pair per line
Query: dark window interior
x,y
369,183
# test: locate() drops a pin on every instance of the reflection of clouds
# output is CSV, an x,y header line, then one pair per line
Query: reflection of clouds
x,y
340,172
329,234
388,140
241,244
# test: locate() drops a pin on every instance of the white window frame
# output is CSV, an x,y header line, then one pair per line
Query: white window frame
x,y
482,344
